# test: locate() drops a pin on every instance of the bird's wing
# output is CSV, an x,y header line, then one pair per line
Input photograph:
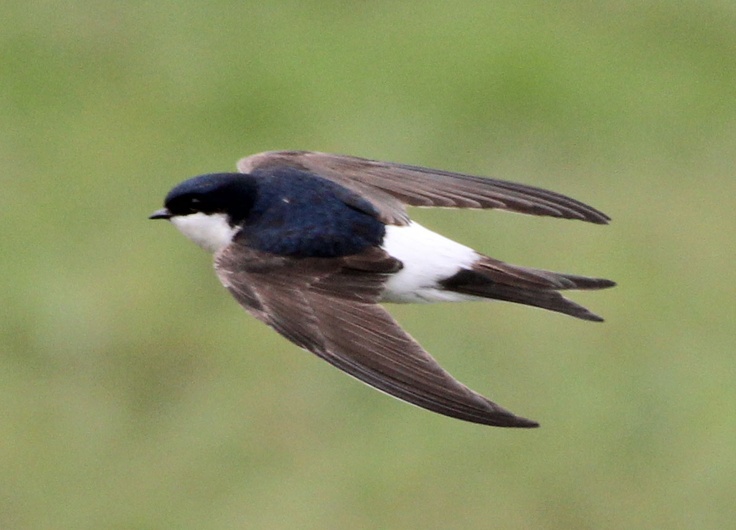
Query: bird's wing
x,y
390,186
329,307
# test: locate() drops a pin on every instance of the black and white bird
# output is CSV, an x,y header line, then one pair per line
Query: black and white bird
x,y
311,243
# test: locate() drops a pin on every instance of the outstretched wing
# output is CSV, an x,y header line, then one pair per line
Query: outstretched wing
x,y
328,306
390,186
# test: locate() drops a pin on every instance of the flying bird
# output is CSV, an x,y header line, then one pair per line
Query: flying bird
x,y
311,243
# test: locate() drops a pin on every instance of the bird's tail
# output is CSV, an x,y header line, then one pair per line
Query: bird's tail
x,y
490,278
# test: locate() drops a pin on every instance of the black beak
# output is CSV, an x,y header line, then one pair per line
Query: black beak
x,y
163,213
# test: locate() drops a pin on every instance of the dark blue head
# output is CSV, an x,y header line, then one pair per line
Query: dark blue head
x,y
284,211
232,194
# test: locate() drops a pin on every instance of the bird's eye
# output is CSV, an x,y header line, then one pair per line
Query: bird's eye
x,y
194,205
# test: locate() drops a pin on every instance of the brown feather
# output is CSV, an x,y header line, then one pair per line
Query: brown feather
x,y
390,186
328,306
494,279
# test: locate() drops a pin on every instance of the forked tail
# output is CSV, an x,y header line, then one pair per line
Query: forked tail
x,y
491,278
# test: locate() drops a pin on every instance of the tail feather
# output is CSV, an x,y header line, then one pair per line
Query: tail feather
x,y
490,278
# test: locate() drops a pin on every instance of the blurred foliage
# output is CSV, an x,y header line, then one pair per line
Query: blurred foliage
x,y
134,393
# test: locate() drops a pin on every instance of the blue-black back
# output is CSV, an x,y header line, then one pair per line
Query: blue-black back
x,y
297,213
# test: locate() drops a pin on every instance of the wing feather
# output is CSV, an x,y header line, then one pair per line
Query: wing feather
x,y
306,301
390,186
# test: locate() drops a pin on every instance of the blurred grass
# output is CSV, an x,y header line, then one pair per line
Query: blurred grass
x,y
134,393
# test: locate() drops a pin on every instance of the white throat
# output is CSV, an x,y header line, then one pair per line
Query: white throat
x,y
211,232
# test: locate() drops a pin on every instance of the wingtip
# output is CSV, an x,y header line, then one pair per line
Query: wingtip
x,y
501,417
524,423
596,216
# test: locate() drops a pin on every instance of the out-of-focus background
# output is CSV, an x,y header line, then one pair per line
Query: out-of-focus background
x,y
135,393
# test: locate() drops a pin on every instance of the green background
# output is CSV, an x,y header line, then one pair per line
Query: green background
x,y
135,393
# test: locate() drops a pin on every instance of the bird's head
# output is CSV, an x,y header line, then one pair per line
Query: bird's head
x,y
209,209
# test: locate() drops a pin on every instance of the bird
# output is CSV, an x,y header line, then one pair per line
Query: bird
x,y
313,243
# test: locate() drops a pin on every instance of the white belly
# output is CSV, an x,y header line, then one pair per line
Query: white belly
x,y
428,258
